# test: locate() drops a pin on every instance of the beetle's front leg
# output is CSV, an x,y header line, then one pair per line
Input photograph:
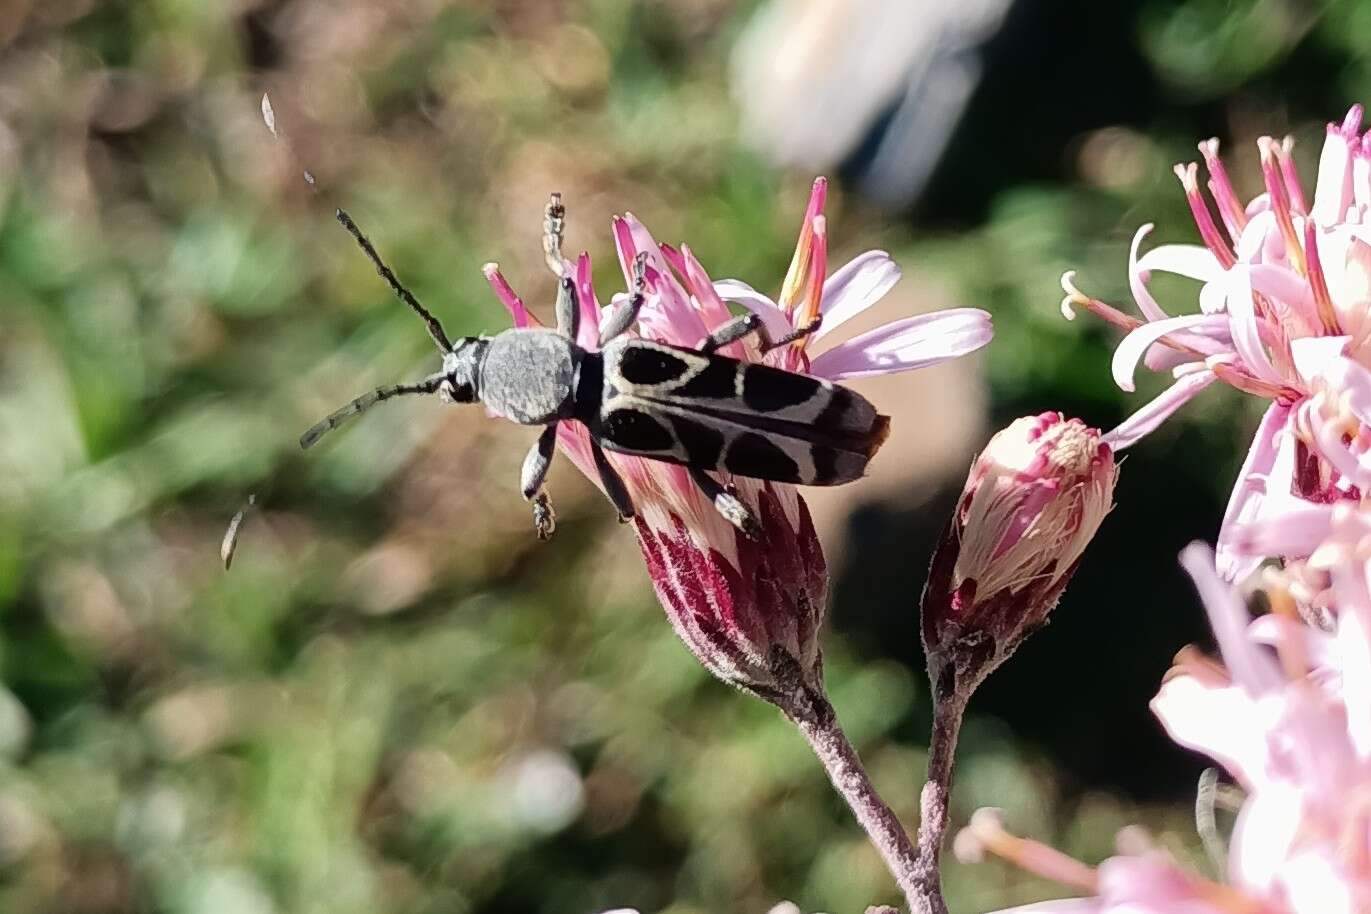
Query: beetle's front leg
x,y
726,501
613,483
554,231
624,316
531,478
568,313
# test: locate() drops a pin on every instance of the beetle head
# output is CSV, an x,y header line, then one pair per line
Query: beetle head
x,y
462,369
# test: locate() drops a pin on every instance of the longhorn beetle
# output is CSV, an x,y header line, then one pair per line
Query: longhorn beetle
x,y
687,406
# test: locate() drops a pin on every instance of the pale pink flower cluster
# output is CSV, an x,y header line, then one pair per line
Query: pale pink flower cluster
x,y
1285,712
1284,313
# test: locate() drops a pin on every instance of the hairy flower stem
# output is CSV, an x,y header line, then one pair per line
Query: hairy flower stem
x,y
949,704
814,715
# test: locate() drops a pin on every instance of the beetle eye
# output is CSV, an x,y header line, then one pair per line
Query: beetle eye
x,y
451,392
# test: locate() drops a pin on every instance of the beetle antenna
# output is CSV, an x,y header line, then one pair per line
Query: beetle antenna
x,y
365,402
435,329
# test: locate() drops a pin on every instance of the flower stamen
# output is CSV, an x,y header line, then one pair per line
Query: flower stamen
x,y
985,833
1292,176
1318,283
1280,201
1230,208
1188,175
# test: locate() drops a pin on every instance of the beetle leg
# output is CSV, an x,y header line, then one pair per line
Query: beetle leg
x,y
736,329
536,464
613,483
568,313
744,324
554,231
624,316
798,333
726,501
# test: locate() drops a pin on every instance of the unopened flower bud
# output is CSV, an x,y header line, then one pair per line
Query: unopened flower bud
x,y
1032,502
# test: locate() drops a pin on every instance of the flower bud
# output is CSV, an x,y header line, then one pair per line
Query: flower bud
x,y
749,609
1033,500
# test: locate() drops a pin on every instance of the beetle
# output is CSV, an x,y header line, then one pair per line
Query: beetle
x,y
693,407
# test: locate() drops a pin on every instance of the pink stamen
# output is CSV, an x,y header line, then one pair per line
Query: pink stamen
x,y
1241,380
1292,176
1280,201
985,833
1127,322
1230,207
1208,230
1328,316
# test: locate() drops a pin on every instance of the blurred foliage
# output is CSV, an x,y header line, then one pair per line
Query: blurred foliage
x,y
397,700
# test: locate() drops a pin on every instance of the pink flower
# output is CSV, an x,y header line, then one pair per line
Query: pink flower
x,y
1283,314
1033,500
1288,716
749,609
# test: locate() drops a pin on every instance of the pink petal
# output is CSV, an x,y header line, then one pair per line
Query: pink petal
x,y
669,309
903,345
1294,533
1316,882
1136,282
1251,667
1353,641
1333,186
1058,906
1259,230
1131,349
776,321
1288,287
508,297
1192,260
713,312
631,237
1316,358
588,333
1262,838
1220,720
1153,883
1242,324
859,284
1158,410
1248,498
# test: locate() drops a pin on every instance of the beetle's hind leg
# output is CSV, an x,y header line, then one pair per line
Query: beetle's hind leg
x,y
627,312
613,483
531,478
745,324
726,501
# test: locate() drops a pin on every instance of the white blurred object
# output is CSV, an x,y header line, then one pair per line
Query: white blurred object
x,y
546,790
813,77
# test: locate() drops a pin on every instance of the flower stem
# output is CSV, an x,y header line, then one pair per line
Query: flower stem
x,y
949,704
812,713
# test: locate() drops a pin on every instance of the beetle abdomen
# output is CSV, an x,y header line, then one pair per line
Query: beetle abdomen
x,y
705,410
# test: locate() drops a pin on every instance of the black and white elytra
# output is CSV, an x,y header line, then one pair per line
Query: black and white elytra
x,y
692,407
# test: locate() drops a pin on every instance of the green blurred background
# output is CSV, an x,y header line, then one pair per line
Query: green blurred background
x,y
398,700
